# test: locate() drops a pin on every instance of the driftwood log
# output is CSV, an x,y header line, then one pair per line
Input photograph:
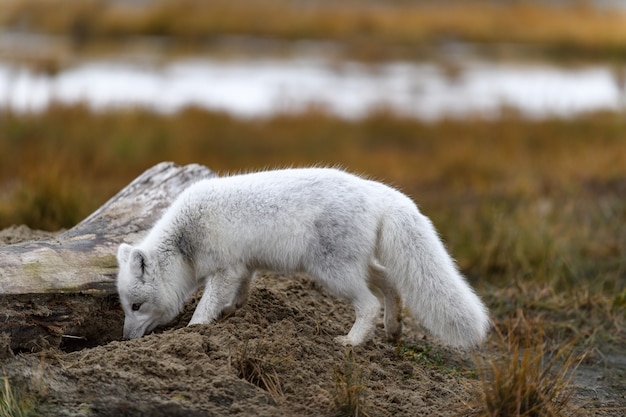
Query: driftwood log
x,y
61,291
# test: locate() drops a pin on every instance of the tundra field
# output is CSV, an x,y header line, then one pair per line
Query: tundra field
x,y
569,30
533,211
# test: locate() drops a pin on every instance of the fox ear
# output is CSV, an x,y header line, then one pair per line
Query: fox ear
x,y
123,253
138,261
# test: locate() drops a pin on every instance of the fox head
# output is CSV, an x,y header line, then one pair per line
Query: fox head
x,y
142,292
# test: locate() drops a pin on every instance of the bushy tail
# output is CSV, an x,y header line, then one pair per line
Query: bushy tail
x,y
425,275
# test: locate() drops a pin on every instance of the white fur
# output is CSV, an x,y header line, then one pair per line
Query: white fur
x,y
348,233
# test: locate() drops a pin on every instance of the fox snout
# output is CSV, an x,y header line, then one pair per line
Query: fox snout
x,y
137,326
130,334
132,330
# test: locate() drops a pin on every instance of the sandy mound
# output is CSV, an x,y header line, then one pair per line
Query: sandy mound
x,y
275,356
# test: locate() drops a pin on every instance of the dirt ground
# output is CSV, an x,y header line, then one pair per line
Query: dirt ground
x,y
273,357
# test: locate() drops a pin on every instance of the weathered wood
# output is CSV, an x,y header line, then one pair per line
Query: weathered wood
x,y
83,259
60,292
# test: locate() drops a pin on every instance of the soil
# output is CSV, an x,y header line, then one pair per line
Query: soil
x,y
273,357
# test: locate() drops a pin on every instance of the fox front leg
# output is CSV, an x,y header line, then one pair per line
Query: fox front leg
x,y
207,309
222,295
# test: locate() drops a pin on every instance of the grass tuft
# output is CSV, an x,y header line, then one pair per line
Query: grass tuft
x,y
529,379
349,390
14,402
260,369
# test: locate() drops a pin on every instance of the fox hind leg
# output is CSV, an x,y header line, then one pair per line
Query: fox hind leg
x,y
366,307
393,315
392,299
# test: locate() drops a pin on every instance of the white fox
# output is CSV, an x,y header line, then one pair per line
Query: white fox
x,y
350,234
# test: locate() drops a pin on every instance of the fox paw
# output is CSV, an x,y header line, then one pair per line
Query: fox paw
x,y
344,341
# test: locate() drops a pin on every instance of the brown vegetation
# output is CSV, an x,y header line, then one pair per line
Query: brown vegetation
x,y
532,210
368,29
531,377
524,206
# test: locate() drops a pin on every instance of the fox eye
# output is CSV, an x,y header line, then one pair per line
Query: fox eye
x,y
136,306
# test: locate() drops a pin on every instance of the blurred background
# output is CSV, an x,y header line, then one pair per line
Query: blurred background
x,y
504,120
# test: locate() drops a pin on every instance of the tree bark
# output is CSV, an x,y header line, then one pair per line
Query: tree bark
x,y
49,287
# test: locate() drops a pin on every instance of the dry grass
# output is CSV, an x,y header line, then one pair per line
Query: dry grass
x,y
533,211
531,377
14,402
259,367
516,201
525,168
350,386
370,28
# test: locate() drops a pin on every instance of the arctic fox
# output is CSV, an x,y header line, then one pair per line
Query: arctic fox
x,y
350,234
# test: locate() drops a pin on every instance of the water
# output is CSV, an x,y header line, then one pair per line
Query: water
x,y
262,87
